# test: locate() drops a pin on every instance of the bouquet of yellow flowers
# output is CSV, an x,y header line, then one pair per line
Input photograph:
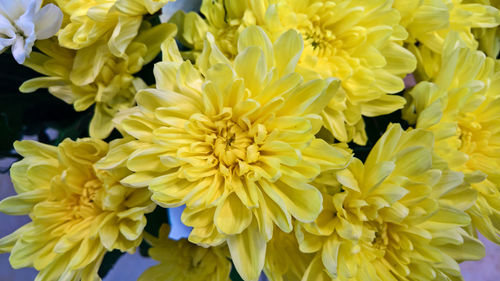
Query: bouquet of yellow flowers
x,y
306,140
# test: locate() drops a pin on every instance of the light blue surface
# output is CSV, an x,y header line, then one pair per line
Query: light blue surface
x,y
185,5
129,267
177,229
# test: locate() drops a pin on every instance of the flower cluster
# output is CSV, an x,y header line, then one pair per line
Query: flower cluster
x,y
358,42
259,120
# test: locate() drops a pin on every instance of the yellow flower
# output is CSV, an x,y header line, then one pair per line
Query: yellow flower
x,y
93,75
462,108
430,21
284,260
115,21
396,217
358,42
224,19
78,212
233,141
355,41
183,261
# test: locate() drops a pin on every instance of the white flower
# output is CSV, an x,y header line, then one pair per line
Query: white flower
x,y
24,21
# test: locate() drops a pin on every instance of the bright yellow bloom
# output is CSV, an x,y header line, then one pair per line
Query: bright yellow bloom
x,y
93,75
462,108
233,141
355,41
183,261
224,19
396,217
430,21
358,42
115,21
284,260
78,212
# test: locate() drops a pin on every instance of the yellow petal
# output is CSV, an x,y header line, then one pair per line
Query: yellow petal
x,y
22,204
290,46
123,34
101,124
250,65
153,39
232,216
383,105
305,205
327,156
255,36
248,251
329,256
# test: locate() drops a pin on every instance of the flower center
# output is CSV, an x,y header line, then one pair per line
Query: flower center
x,y
322,42
89,192
83,204
381,239
231,143
224,145
317,30
326,31
472,135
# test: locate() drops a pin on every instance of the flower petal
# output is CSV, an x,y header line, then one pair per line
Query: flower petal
x,y
47,21
248,251
232,216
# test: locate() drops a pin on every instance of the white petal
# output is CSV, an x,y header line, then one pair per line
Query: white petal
x,y
7,33
18,50
6,25
4,43
13,9
28,44
25,21
48,21
25,26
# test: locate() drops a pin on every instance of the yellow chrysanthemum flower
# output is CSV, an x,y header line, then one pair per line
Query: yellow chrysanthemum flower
x,y
358,42
183,261
462,107
284,260
78,212
115,21
396,217
224,19
430,21
94,76
233,141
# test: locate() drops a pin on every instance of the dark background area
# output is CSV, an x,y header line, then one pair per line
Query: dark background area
x,y
32,114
